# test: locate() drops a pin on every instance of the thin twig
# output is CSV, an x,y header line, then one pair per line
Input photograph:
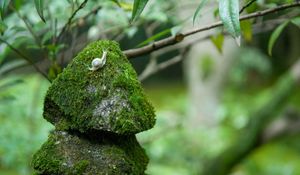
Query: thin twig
x,y
94,11
28,26
25,58
69,22
153,67
132,53
246,6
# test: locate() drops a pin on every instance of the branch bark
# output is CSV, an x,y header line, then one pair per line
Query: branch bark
x,y
132,53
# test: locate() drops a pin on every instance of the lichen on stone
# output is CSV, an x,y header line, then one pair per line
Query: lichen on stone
x,y
108,99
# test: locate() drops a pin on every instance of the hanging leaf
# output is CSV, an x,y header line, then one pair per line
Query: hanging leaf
x,y
39,5
229,13
138,7
218,41
7,85
126,6
116,2
202,3
54,70
275,35
18,29
47,36
3,7
246,27
11,66
296,21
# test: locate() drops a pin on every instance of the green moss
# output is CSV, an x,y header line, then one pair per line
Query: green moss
x,y
47,159
100,153
81,166
96,114
108,99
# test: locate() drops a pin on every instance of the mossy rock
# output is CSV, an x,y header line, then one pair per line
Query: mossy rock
x,y
108,99
74,154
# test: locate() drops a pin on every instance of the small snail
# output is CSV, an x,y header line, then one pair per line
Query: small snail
x,y
98,62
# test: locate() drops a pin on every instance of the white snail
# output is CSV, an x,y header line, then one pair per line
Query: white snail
x,y
98,62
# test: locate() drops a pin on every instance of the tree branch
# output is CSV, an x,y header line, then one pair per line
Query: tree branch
x,y
153,67
246,6
132,53
28,26
25,58
67,25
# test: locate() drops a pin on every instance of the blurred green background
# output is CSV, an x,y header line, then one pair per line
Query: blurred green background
x,y
203,102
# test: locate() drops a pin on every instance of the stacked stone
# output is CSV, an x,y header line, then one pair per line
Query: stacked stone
x,y
96,114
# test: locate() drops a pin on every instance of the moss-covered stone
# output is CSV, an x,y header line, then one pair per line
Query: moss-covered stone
x,y
100,153
96,114
108,99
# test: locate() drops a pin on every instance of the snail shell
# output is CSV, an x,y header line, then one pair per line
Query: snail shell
x,y
98,63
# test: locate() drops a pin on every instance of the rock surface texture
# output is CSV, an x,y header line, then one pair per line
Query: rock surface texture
x,y
96,114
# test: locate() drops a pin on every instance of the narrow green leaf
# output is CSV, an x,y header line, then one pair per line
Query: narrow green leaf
x,y
54,70
246,27
156,36
39,5
47,36
218,41
138,7
18,4
12,65
3,7
229,13
275,35
116,2
296,21
3,27
202,3
23,39
18,29
9,84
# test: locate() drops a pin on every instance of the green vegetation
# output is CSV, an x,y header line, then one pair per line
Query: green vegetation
x,y
102,153
221,75
96,114
108,99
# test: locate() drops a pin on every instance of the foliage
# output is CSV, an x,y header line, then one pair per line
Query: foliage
x,y
276,33
229,13
200,6
116,101
138,7
49,33
22,129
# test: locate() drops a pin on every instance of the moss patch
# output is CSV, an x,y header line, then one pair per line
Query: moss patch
x,y
73,154
108,99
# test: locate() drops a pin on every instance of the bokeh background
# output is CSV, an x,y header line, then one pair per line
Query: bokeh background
x,y
203,100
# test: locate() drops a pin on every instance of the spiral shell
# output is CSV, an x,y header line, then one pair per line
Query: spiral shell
x,y
98,63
